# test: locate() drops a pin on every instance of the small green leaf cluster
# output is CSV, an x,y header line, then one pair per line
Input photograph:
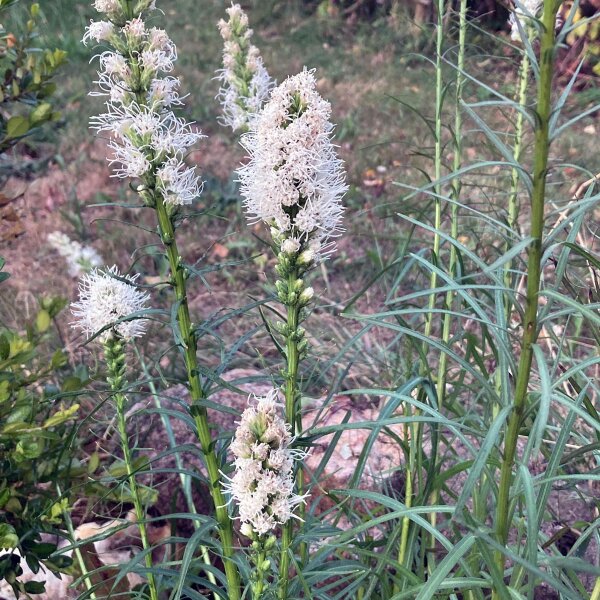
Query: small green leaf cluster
x,y
36,416
26,85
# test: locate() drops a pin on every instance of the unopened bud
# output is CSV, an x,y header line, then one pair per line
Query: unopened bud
x,y
275,234
290,246
307,295
246,529
306,258
265,565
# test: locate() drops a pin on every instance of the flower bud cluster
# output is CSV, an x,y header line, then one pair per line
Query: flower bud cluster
x,y
294,181
114,354
79,258
245,83
263,485
521,19
105,296
149,142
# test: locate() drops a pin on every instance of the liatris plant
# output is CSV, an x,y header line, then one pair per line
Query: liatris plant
x,y
245,83
79,258
149,144
263,483
107,310
294,183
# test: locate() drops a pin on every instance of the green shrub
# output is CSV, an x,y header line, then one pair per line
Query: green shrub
x,y
36,449
26,85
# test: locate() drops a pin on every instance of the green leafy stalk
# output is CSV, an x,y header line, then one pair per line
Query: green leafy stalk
x,y
114,352
183,329
293,294
456,188
198,411
530,322
184,477
513,200
261,549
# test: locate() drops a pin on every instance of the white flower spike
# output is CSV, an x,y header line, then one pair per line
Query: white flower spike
x,y
245,83
263,483
103,300
521,19
294,180
148,141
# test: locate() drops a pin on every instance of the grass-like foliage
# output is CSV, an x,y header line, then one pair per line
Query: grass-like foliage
x,y
466,364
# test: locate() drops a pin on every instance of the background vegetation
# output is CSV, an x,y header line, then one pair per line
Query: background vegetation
x,y
379,347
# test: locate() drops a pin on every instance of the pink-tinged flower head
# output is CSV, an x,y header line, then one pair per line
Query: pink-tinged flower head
x,y
263,485
294,180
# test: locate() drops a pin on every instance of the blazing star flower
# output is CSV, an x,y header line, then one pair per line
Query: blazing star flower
x,y
245,83
79,258
294,181
147,140
263,484
103,299
520,19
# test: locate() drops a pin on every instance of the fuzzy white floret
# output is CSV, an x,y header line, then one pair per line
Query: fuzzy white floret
x,y
178,183
100,31
107,6
103,299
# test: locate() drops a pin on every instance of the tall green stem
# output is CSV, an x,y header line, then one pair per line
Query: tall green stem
x,y
439,104
114,351
197,409
455,195
530,324
89,585
513,199
596,591
456,188
408,493
292,415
